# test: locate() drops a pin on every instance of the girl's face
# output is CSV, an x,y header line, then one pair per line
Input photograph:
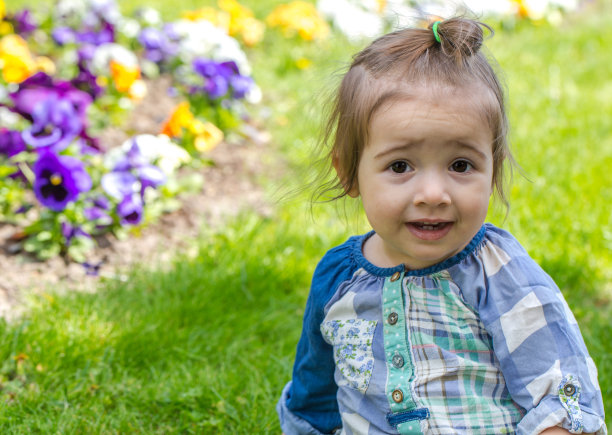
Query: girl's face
x,y
425,176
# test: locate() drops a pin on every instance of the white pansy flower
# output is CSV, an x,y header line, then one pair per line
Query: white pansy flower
x,y
107,9
8,119
487,7
160,150
111,51
254,94
68,8
4,95
112,157
129,27
351,18
149,16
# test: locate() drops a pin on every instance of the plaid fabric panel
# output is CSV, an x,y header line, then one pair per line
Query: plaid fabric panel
x,y
457,376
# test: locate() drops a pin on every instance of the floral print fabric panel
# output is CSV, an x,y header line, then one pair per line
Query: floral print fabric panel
x,y
352,341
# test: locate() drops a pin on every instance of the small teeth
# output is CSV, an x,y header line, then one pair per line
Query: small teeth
x,y
428,226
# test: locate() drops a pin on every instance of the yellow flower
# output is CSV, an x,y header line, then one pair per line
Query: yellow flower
x,y
6,28
102,81
251,31
242,22
212,15
207,135
2,9
300,18
46,65
180,117
123,76
529,9
303,63
235,19
16,61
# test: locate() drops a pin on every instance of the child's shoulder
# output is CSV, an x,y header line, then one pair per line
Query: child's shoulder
x,y
501,247
510,276
338,264
343,255
504,239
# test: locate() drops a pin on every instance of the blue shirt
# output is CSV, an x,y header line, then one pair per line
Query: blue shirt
x,y
483,342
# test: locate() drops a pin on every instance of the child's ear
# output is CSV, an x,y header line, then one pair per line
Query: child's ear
x,y
352,191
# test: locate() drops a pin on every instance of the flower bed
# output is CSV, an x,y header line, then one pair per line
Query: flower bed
x,y
72,74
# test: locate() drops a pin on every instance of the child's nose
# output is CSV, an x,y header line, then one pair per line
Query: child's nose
x,y
431,189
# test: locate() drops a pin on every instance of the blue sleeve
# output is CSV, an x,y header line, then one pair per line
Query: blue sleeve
x,y
308,404
542,354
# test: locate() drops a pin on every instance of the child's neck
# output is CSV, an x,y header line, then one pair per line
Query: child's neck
x,y
374,251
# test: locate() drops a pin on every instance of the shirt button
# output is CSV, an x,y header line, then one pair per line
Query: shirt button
x,y
392,318
398,361
569,390
395,276
397,396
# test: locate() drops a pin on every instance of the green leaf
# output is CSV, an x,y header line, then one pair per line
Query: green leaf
x,y
43,236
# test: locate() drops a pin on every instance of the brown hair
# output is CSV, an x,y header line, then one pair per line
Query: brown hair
x,y
412,56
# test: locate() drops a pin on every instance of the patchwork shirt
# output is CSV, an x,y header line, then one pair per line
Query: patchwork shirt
x,y
482,343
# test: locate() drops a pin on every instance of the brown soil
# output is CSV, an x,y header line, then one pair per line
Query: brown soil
x,y
230,186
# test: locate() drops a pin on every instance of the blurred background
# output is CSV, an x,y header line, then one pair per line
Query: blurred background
x,y
158,161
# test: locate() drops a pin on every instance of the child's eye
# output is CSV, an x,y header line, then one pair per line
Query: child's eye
x,y
461,166
399,167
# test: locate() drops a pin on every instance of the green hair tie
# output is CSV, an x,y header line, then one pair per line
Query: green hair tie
x,y
435,30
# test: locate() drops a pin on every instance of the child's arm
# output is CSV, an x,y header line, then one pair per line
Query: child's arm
x,y
552,374
538,344
556,431
308,404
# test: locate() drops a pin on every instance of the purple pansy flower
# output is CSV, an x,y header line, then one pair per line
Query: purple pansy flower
x,y
11,142
59,180
40,87
220,77
216,86
96,37
93,269
56,124
63,35
87,82
130,210
240,85
131,175
134,162
24,22
119,184
85,54
97,211
158,46
70,231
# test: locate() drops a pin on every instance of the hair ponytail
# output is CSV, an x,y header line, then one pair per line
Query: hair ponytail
x,y
459,37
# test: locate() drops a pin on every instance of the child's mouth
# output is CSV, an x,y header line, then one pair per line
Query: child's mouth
x,y
429,230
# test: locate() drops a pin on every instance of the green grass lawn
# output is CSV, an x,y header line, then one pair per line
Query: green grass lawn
x,y
206,346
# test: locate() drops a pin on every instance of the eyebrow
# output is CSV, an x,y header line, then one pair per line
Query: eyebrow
x,y
395,149
409,145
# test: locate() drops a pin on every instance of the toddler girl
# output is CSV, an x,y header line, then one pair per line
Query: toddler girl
x,y
434,322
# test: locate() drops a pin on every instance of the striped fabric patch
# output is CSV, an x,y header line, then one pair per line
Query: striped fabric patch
x,y
455,374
